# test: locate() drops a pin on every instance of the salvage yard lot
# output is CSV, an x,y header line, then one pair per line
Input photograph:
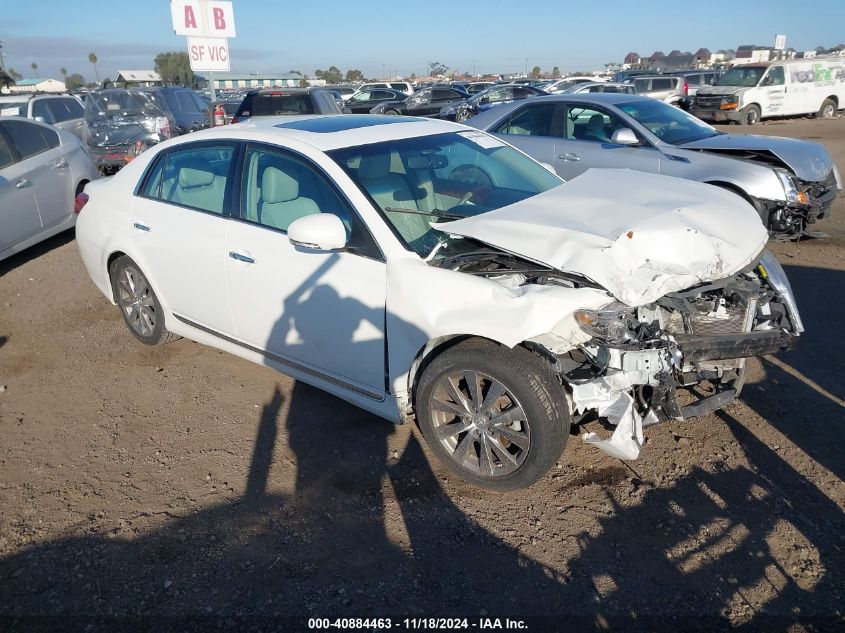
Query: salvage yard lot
x,y
181,480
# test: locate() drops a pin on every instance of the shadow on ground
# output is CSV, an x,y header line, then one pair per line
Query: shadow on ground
x,y
368,534
33,252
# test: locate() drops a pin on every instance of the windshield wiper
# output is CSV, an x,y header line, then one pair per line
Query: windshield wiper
x,y
436,213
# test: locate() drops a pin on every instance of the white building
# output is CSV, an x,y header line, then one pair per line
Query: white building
x,y
38,85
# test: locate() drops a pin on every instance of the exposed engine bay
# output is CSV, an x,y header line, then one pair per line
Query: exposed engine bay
x,y
679,357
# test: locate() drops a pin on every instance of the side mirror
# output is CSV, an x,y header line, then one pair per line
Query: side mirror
x,y
624,136
318,232
40,119
346,110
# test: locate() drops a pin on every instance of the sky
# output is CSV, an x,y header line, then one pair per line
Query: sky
x,y
400,37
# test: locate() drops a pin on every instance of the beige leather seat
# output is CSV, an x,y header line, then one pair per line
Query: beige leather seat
x,y
281,203
197,186
390,189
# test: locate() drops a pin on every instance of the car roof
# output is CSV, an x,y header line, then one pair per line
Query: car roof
x,y
611,98
332,131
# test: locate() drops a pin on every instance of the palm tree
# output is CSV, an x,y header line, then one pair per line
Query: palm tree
x,y
34,67
92,59
63,71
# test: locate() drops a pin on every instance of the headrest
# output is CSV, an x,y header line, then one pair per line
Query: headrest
x,y
596,121
374,166
277,186
195,173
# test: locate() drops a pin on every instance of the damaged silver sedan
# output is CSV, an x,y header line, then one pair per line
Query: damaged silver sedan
x,y
791,183
426,271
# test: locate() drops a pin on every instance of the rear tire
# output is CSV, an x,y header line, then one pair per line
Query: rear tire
x,y
827,110
750,115
138,303
495,417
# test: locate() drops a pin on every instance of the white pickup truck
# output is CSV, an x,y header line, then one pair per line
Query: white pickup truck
x,y
751,92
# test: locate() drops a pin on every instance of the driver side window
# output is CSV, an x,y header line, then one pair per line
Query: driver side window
x,y
775,77
590,124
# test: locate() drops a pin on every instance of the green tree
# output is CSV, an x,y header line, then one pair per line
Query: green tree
x,y
63,71
74,81
14,74
175,68
294,72
92,59
353,74
332,75
535,72
436,68
413,77
556,72
34,67
303,83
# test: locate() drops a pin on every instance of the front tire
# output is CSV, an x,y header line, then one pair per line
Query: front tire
x,y
138,303
391,112
750,115
495,417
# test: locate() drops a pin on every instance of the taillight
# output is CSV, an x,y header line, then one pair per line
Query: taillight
x,y
686,88
234,119
80,201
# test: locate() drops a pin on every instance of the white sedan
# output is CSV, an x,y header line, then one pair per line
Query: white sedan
x,y
422,269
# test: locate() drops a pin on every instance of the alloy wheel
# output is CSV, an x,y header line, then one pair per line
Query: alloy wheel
x,y
136,299
482,426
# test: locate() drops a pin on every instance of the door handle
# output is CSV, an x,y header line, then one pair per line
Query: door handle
x,y
23,183
61,163
241,257
142,227
569,156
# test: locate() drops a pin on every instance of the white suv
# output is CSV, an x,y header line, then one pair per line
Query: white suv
x,y
64,111
401,86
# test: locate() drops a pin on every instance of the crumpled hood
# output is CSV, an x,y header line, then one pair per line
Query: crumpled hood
x,y
638,235
720,90
809,161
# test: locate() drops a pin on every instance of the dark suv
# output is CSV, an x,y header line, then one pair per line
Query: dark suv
x,y
189,111
286,101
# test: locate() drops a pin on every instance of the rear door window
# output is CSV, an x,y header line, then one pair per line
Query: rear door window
x,y
531,120
29,138
7,157
194,177
65,109
662,84
40,109
186,103
280,103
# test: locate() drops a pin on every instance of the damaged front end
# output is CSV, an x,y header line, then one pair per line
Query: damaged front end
x,y
680,357
806,202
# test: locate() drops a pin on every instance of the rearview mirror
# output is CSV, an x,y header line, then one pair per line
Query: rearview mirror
x,y
624,136
318,232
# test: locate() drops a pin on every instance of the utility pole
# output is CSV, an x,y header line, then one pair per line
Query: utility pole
x,y
382,72
526,66
474,74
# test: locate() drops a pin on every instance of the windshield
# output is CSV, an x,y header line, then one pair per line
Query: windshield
x,y
275,103
107,104
418,181
748,76
668,123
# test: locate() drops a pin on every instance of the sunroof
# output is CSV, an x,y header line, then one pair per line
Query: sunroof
x,y
341,123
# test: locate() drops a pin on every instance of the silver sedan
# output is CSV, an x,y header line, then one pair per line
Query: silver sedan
x,y
42,170
791,183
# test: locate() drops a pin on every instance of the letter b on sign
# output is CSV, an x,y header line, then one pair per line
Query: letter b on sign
x,y
219,19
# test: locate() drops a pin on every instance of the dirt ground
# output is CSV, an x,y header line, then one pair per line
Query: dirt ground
x,y
154,485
